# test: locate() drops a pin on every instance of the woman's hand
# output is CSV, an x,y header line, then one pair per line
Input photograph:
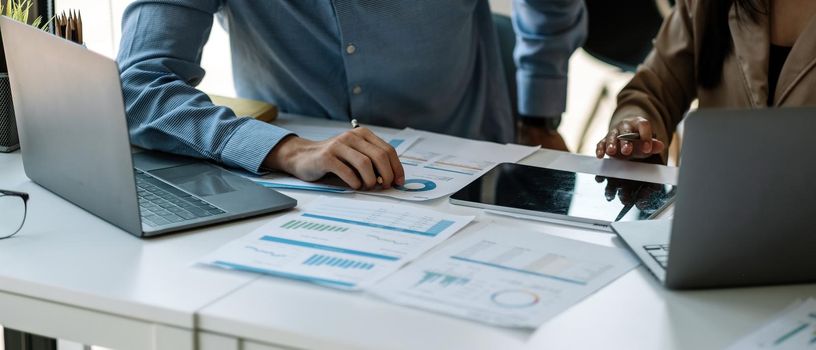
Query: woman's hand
x,y
646,146
357,156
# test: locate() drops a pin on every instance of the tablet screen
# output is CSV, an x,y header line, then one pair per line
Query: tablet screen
x,y
576,195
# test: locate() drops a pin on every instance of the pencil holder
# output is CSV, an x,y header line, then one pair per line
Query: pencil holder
x,y
9,141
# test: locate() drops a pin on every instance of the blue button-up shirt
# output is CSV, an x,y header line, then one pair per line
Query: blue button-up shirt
x,y
426,64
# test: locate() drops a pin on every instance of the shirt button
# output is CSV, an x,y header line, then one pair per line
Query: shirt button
x,y
357,90
351,49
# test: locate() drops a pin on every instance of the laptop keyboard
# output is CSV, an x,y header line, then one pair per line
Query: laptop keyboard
x,y
660,252
162,204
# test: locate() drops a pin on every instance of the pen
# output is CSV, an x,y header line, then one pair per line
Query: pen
x,y
626,208
632,136
355,125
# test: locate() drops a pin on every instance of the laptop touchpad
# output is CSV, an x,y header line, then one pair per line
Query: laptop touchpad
x,y
199,179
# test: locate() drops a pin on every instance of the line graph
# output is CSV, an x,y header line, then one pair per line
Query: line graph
x,y
265,252
389,240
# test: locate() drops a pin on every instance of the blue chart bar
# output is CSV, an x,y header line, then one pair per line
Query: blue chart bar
x,y
396,142
443,280
439,227
328,248
319,260
433,231
284,274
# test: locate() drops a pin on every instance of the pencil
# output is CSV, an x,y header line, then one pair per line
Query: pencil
x,y
632,136
79,28
355,125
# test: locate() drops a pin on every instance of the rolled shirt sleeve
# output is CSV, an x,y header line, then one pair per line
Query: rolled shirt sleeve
x,y
159,60
547,33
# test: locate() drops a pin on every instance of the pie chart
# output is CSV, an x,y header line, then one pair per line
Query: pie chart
x,y
417,185
515,298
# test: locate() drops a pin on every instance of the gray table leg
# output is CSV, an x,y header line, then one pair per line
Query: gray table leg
x,y
16,340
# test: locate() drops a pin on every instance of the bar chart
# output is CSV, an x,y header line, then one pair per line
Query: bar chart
x,y
442,280
532,262
313,226
417,157
325,260
379,217
461,165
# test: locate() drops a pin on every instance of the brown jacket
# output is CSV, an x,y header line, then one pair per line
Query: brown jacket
x,y
665,85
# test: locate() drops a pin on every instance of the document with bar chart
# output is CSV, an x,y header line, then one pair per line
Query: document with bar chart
x,y
793,329
341,243
506,277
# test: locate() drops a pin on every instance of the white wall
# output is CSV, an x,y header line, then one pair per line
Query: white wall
x,y
102,21
501,6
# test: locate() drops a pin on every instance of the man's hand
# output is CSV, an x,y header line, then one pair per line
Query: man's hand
x,y
356,156
534,134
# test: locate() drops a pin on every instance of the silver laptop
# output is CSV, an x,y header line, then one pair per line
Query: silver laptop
x,y
74,142
745,207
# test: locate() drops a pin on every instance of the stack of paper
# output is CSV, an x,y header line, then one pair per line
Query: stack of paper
x,y
339,243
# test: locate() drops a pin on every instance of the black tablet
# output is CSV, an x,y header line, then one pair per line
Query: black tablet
x,y
571,197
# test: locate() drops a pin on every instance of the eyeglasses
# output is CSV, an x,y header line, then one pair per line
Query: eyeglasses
x,y
13,210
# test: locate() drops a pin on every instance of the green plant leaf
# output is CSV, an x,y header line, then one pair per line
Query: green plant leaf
x,y
19,10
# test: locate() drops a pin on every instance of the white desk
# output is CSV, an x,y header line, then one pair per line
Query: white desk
x,y
634,312
72,276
